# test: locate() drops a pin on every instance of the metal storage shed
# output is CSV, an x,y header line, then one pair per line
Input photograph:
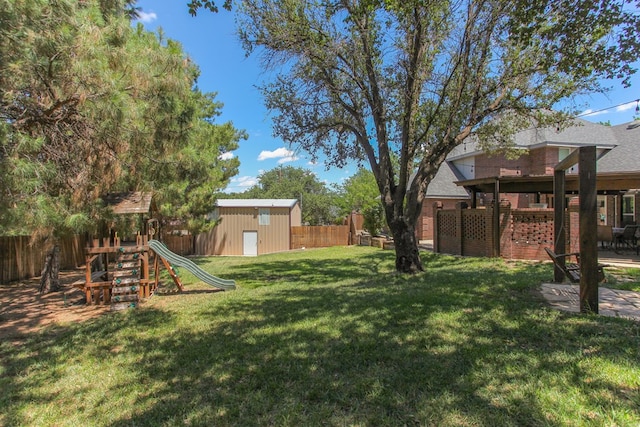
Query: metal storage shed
x,y
250,227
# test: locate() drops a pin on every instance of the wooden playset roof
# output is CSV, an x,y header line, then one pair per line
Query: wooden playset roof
x,y
135,202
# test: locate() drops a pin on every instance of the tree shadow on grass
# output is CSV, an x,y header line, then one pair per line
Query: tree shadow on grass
x,y
305,271
385,349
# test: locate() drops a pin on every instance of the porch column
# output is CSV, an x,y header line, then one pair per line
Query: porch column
x,y
496,218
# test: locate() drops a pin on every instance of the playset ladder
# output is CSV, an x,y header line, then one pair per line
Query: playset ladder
x,y
125,287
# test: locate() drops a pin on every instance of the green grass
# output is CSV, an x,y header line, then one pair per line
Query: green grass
x,y
333,337
623,278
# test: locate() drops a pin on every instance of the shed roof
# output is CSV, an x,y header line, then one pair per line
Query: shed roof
x,y
134,202
256,203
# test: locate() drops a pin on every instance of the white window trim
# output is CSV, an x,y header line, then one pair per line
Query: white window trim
x,y
264,215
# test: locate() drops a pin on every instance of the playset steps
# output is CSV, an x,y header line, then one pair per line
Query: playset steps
x,y
125,285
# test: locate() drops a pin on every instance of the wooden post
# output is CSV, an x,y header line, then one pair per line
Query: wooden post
x,y
588,231
437,207
559,232
459,230
496,219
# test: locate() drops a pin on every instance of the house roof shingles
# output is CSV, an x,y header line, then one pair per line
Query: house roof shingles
x,y
621,142
625,157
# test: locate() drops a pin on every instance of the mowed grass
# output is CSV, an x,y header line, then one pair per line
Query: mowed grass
x,y
333,337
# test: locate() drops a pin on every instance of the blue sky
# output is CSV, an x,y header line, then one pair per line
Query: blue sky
x,y
210,40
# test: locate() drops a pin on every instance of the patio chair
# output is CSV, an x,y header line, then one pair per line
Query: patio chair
x,y
627,239
570,269
605,236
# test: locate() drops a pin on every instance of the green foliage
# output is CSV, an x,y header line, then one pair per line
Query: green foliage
x,y
373,218
288,182
360,193
91,105
381,81
195,5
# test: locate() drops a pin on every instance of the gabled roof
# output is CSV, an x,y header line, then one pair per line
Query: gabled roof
x,y
618,167
625,157
583,132
256,203
134,202
443,184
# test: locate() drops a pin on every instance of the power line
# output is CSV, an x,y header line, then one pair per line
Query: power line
x,y
608,108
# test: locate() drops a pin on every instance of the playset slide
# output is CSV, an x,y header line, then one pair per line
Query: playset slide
x,y
161,250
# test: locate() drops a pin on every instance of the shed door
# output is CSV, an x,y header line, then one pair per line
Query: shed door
x,y
250,243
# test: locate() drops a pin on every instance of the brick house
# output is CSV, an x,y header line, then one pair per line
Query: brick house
x,y
618,153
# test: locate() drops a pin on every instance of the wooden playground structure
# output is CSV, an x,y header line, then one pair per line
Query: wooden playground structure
x,y
120,274
123,273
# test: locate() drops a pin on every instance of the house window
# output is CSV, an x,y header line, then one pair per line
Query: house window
x,y
263,216
563,153
602,210
628,209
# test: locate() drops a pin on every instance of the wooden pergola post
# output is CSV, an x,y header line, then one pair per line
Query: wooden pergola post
x,y
586,159
496,218
559,207
588,231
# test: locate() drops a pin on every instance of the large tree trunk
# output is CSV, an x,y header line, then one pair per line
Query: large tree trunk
x,y
50,278
406,244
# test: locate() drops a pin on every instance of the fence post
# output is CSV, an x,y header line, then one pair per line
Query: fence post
x,y
459,227
437,207
505,218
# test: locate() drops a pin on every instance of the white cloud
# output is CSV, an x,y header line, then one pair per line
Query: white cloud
x,y
279,153
590,113
244,181
288,159
226,156
146,17
626,107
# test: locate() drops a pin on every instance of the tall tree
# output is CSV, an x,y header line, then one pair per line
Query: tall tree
x,y
373,80
360,192
288,182
89,105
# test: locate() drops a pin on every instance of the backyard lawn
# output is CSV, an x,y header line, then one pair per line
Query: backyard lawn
x,y
332,337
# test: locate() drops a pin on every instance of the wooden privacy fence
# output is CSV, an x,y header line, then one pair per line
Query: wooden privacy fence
x,y
319,236
20,259
179,244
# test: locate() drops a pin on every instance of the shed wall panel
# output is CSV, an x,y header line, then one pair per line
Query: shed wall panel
x,y
275,237
296,216
227,237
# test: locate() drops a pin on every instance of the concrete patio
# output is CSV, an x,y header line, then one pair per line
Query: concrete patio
x,y
612,302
